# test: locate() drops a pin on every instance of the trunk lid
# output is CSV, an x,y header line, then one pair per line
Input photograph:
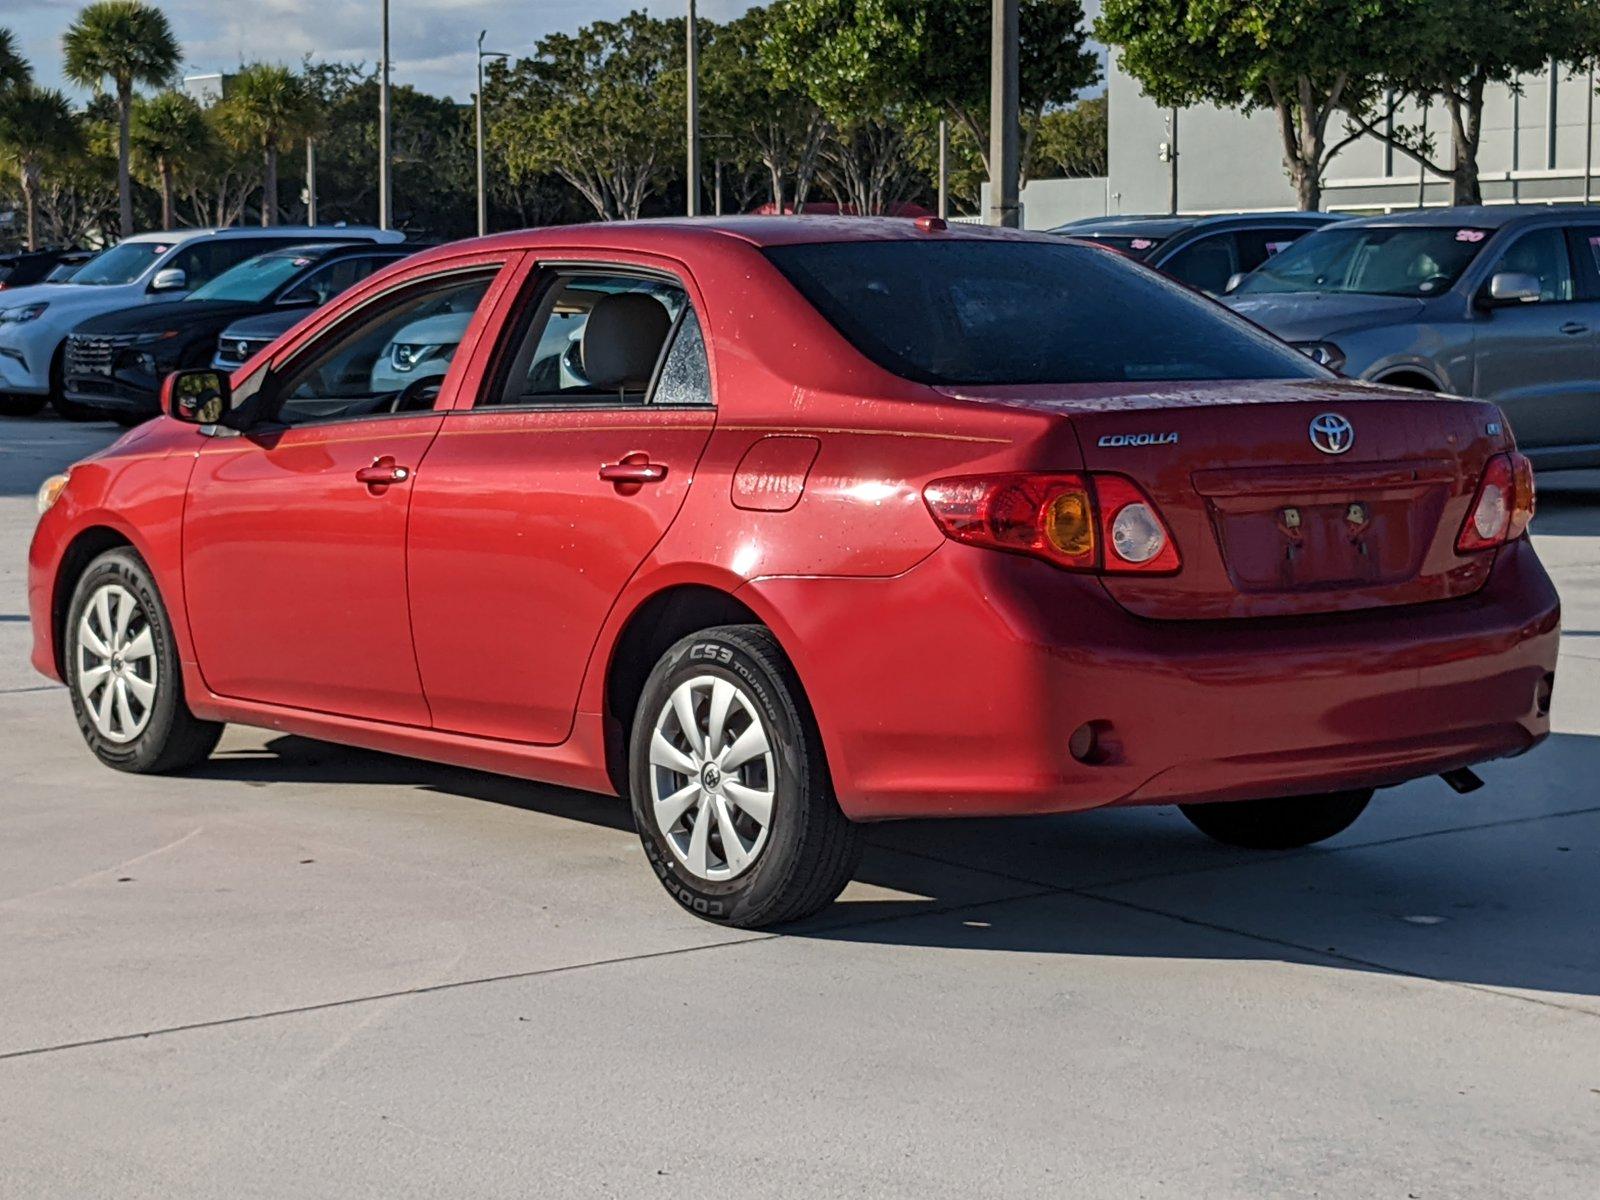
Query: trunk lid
x,y
1267,523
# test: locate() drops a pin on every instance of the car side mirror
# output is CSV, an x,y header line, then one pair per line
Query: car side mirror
x,y
1234,281
170,279
1514,287
198,397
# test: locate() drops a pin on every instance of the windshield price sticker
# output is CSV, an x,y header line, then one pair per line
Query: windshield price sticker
x,y
1471,235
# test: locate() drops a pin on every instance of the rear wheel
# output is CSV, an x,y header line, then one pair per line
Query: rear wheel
x,y
1279,824
731,794
122,671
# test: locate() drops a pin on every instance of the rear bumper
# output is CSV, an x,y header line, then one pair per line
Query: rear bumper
x,y
953,689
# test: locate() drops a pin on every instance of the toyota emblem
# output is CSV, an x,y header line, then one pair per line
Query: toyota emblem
x,y
1332,434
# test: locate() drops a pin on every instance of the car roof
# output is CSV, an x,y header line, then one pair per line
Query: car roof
x,y
686,235
173,237
1169,226
1478,216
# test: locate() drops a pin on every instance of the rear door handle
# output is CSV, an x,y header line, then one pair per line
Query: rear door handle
x,y
632,472
1574,328
383,472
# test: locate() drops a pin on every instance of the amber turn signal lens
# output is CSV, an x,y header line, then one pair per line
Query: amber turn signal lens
x,y
1069,524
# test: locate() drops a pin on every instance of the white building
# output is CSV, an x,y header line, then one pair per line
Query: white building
x,y
1535,148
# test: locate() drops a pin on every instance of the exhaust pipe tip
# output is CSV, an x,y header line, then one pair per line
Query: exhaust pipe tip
x,y
1462,780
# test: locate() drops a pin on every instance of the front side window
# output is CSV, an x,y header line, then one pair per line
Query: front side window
x,y
1542,254
1405,260
390,356
1011,313
327,282
592,339
1206,264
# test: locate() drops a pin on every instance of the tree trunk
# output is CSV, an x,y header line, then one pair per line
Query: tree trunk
x,y
269,186
124,143
30,204
168,217
1466,128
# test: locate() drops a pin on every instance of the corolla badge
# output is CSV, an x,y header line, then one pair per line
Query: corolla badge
x,y
1332,434
1112,440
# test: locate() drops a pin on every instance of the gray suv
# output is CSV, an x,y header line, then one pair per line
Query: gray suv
x,y
1501,303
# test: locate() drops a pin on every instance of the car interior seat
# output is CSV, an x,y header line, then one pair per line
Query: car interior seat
x,y
622,341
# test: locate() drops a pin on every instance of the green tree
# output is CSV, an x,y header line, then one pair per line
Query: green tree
x,y
36,129
267,109
129,43
601,108
865,59
1306,61
15,72
1451,51
1075,141
752,120
169,132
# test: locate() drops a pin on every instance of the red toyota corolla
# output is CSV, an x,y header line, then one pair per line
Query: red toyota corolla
x,y
782,525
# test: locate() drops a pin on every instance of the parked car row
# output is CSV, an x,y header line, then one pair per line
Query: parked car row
x,y
117,367
1496,302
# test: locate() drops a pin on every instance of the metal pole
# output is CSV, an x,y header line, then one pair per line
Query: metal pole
x,y
1172,162
311,181
1004,116
944,168
1422,170
692,53
1588,143
483,198
1550,116
385,204
717,206
1516,137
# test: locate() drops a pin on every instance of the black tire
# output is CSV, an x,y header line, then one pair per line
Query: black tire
x,y
172,738
13,404
1279,824
131,420
810,848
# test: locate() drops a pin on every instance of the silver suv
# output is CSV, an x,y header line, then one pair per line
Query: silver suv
x,y
1501,303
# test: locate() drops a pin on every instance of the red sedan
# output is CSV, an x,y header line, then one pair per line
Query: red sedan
x,y
782,525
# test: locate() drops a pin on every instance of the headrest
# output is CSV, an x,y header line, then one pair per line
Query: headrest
x,y
622,341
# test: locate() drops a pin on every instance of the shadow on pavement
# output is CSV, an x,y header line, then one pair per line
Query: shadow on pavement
x,y
1496,889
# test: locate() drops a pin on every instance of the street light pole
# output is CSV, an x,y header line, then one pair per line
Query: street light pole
x,y
692,56
311,181
944,169
1004,115
385,200
483,186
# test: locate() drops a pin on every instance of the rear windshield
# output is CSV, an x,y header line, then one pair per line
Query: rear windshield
x,y
996,312
1398,261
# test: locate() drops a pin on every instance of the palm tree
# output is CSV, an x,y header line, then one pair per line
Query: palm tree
x,y
36,128
169,131
267,108
130,43
14,69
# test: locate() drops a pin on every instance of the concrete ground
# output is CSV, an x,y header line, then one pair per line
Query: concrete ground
x,y
310,971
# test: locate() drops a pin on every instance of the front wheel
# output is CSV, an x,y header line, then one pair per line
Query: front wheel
x,y
122,670
1285,824
731,793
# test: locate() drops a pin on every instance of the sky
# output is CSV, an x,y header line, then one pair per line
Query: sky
x,y
432,41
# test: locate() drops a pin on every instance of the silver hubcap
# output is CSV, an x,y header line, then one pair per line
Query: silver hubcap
x,y
116,663
712,777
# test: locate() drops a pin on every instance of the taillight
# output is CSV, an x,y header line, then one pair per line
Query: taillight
x,y
1079,522
1502,506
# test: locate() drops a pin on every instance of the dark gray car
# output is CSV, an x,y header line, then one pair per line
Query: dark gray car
x,y
1204,252
1501,303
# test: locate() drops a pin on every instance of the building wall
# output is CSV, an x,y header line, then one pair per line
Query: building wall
x,y
1230,162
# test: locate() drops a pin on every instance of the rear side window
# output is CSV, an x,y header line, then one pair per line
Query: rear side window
x,y
971,312
1206,264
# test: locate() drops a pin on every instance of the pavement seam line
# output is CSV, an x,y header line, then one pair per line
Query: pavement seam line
x,y
511,977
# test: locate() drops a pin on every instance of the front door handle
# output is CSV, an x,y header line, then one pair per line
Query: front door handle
x,y
383,472
1573,328
632,472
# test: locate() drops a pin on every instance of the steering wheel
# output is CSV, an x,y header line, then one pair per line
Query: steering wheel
x,y
407,398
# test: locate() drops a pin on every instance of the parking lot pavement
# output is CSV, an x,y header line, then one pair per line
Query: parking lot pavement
x,y
309,971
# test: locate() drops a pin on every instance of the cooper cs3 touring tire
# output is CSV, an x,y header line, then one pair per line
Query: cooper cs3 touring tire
x,y
123,673
731,793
